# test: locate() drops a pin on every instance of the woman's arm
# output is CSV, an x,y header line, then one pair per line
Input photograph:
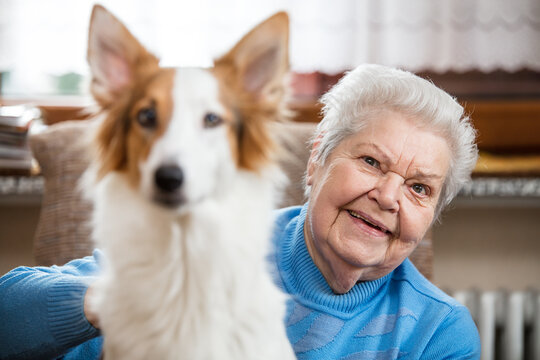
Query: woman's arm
x,y
42,309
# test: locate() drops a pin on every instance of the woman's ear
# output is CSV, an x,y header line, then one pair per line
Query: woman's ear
x,y
313,164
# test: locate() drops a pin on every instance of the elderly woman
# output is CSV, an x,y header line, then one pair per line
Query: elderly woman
x,y
391,152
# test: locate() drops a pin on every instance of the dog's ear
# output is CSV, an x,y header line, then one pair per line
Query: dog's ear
x,y
261,58
115,57
253,75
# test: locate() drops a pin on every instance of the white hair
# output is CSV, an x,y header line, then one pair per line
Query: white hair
x,y
369,89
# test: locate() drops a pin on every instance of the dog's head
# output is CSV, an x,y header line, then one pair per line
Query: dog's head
x,y
178,135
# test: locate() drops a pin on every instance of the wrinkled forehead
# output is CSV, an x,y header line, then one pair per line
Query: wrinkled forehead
x,y
395,136
372,121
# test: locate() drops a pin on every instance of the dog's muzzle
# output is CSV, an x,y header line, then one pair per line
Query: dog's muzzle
x,y
168,181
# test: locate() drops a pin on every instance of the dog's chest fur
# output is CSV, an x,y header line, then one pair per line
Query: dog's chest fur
x,y
190,286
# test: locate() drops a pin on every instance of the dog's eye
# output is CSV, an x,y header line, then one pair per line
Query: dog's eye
x,y
212,120
147,117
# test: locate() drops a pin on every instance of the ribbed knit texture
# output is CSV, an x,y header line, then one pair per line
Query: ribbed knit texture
x,y
41,310
67,321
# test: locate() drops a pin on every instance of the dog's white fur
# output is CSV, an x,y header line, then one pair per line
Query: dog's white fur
x,y
188,286
190,282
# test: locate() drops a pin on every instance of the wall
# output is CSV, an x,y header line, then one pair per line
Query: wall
x,y
488,246
17,226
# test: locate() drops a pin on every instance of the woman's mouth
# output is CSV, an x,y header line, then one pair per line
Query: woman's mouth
x,y
369,222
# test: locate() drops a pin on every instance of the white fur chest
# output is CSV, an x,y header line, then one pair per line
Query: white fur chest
x,y
189,286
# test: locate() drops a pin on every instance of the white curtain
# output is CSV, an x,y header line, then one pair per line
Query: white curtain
x,y
43,38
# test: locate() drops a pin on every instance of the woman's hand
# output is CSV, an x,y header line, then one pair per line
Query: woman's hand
x,y
91,316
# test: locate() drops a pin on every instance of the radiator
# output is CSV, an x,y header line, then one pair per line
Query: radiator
x,y
508,322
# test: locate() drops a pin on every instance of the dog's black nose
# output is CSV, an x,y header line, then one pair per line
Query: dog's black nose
x,y
169,178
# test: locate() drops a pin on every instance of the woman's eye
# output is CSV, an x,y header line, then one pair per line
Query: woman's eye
x,y
212,120
371,161
420,189
147,117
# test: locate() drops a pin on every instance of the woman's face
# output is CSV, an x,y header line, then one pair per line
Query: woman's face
x,y
373,199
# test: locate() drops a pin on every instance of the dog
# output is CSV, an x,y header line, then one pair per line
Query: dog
x,y
183,183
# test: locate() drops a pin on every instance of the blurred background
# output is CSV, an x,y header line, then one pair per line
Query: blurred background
x,y
484,52
43,43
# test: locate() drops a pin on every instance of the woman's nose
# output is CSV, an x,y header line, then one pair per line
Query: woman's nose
x,y
387,191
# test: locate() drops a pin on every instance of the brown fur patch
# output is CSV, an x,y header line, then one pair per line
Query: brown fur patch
x,y
122,142
125,79
232,133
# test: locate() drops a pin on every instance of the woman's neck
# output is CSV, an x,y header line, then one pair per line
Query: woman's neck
x,y
342,278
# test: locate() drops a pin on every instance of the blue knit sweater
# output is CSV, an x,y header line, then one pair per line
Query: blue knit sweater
x,y
399,316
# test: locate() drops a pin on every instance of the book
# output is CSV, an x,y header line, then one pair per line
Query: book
x,y
17,118
15,153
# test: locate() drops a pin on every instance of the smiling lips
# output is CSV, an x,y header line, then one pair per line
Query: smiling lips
x,y
370,222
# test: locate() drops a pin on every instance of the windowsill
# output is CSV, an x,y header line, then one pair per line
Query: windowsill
x,y
55,108
70,101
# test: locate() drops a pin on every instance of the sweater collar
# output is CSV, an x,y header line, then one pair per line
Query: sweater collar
x,y
305,282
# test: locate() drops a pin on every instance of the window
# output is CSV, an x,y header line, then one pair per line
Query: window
x,y
43,43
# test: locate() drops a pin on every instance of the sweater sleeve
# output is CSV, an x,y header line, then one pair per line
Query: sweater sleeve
x,y
455,338
41,309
